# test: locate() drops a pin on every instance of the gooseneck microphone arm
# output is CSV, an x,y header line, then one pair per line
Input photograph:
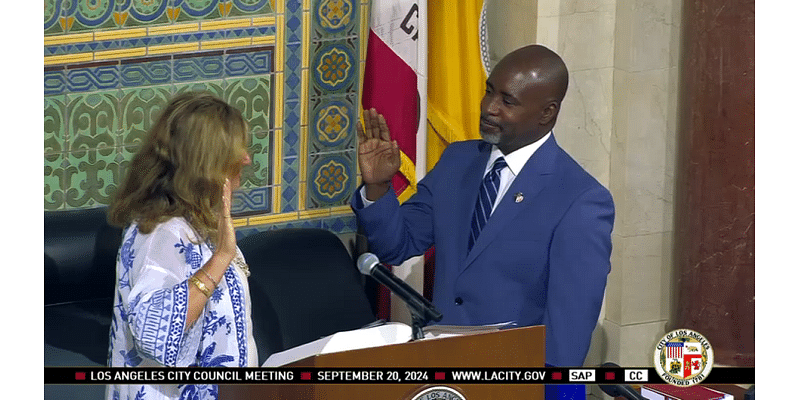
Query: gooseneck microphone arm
x,y
422,311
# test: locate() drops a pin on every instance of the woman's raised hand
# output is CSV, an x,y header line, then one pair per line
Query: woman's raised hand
x,y
226,236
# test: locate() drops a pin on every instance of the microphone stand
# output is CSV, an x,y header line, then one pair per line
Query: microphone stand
x,y
420,316
418,321
422,311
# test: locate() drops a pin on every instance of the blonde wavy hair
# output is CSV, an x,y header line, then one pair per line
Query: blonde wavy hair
x,y
197,142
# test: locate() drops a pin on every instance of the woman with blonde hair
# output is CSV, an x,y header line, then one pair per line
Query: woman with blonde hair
x,y
182,297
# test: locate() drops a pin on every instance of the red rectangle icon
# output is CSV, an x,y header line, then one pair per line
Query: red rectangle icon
x,y
305,376
439,376
610,376
556,376
80,376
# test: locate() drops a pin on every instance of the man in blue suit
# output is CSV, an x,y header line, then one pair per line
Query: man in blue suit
x,y
522,232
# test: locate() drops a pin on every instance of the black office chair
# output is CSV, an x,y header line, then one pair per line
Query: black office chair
x,y
303,286
80,251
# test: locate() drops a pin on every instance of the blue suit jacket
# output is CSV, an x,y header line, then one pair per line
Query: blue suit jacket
x,y
540,261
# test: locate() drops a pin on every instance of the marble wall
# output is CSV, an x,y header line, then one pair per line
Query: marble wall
x,y
645,102
511,24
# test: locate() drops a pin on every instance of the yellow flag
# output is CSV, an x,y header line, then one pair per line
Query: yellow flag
x,y
456,78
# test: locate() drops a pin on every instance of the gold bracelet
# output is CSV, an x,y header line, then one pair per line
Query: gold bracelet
x,y
209,277
200,286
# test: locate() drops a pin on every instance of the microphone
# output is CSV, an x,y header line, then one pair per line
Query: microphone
x,y
620,390
369,264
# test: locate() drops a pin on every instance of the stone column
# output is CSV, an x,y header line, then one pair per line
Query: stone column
x,y
715,202
642,164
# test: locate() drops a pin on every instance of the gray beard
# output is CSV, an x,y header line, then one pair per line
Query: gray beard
x,y
491,138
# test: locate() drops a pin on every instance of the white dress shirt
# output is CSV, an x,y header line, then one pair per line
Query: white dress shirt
x,y
516,160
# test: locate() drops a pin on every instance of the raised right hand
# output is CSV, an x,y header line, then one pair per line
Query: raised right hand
x,y
378,155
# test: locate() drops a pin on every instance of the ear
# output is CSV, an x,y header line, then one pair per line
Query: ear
x,y
549,113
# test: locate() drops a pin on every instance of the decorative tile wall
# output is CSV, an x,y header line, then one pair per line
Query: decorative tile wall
x,y
291,66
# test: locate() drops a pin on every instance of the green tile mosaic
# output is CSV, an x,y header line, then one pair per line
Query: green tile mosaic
x,y
331,179
199,67
258,174
92,176
331,124
92,120
54,182
99,105
140,109
215,87
85,15
133,13
191,10
52,12
125,154
55,111
251,96
251,201
250,7
334,67
335,19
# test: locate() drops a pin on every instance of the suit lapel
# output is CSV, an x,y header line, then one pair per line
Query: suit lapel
x,y
533,177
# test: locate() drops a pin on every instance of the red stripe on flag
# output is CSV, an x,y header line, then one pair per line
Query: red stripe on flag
x,y
390,86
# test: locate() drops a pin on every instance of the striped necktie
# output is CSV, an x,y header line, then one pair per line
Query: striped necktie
x,y
486,199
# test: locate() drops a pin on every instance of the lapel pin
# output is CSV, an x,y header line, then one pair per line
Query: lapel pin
x,y
518,197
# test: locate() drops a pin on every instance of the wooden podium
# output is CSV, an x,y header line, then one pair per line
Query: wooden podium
x,y
510,348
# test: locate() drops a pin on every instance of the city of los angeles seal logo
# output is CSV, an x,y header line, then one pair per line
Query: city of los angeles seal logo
x,y
683,357
439,393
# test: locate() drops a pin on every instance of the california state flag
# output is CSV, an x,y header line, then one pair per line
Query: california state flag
x,y
390,80
393,77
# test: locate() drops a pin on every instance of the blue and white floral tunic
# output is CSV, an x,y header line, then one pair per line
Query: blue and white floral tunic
x,y
148,327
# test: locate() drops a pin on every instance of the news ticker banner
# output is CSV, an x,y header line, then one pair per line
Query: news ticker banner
x,y
296,375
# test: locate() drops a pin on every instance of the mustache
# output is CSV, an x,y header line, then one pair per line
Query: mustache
x,y
487,121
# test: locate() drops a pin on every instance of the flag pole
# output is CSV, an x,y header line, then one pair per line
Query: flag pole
x,y
422,89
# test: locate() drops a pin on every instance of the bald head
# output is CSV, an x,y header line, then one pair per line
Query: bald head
x,y
545,67
523,97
